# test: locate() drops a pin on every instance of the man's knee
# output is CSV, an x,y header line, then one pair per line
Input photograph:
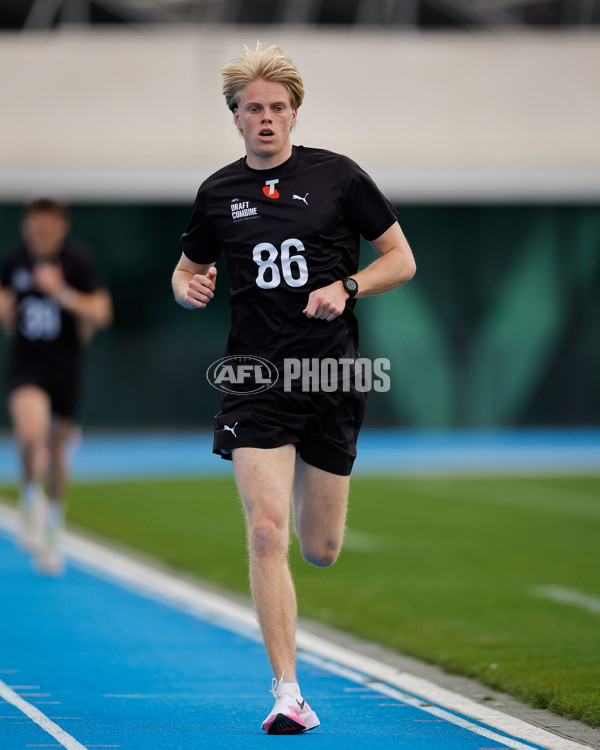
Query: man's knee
x,y
268,537
322,554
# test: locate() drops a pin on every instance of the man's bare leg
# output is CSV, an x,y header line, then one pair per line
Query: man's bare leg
x,y
320,504
30,411
42,444
60,431
50,558
264,478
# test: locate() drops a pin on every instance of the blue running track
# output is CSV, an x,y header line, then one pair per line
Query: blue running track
x,y
391,452
103,659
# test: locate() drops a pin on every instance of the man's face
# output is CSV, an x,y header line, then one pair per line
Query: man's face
x,y
265,118
44,233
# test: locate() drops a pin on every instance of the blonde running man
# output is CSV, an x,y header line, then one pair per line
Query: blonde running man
x,y
289,220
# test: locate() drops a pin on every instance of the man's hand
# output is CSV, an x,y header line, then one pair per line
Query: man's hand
x,y
326,303
201,289
49,279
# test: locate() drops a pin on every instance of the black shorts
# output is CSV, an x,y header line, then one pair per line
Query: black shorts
x,y
63,388
323,426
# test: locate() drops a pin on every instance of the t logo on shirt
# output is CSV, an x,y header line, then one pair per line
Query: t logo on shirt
x,y
269,189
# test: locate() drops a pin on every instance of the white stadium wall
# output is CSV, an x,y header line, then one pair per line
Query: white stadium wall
x,y
138,115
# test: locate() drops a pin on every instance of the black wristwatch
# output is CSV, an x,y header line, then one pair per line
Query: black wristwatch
x,y
351,288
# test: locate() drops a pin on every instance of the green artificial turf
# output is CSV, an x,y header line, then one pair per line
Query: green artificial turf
x,y
447,570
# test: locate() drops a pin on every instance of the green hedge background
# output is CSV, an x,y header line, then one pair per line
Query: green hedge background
x,y
500,327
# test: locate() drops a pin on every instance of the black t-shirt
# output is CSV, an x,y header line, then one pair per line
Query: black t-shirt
x,y
46,335
285,232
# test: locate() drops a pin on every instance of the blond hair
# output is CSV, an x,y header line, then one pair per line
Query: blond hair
x,y
270,64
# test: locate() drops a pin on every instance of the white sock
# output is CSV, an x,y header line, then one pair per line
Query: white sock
x,y
290,686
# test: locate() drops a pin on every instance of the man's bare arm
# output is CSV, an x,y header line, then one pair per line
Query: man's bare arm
x,y
193,283
94,309
395,266
8,310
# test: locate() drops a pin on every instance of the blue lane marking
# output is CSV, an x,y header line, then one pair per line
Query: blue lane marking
x,y
478,451
114,668
401,452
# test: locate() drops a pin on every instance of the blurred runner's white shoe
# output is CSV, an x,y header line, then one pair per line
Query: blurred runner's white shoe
x,y
291,714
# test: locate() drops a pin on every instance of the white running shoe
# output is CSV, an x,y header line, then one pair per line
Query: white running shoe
x,y
291,714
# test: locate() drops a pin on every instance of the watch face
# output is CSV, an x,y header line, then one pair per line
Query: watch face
x,y
350,286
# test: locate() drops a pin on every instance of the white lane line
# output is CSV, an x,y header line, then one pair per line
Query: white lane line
x,y
34,695
211,607
568,596
411,700
39,718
